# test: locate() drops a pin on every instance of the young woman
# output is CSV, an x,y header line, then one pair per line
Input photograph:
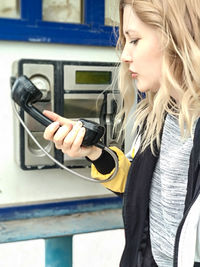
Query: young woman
x,y
160,43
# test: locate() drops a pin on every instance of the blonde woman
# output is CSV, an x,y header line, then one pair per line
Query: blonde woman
x,y
160,44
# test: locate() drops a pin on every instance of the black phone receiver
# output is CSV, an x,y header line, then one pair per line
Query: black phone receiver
x,y
25,94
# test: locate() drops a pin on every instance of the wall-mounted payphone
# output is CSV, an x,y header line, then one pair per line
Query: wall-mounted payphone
x,y
74,90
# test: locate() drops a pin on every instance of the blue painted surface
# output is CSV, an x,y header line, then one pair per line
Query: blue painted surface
x,y
94,13
59,208
31,11
58,252
31,28
56,226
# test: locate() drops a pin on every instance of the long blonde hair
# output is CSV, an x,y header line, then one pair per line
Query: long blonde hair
x,y
179,23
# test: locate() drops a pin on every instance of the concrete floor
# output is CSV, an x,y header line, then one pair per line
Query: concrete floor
x,y
101,249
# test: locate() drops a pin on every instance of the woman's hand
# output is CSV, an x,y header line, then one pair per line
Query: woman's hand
x,y
68,135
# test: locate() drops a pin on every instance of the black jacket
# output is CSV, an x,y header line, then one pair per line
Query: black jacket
x,y
137,251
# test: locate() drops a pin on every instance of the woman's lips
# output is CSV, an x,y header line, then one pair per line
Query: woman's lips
x,y
133,74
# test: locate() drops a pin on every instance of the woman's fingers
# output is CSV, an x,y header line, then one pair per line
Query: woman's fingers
x,y
57,130
67,135
69,139
50,130
55,117
73,145
60,135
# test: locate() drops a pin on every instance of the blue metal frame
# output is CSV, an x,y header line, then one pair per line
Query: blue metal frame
x,y
59,208
30,27
57,222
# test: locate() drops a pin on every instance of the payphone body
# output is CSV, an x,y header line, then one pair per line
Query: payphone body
x,y
74,90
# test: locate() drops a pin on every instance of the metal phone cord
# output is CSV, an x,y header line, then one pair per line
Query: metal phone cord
x,y
63,166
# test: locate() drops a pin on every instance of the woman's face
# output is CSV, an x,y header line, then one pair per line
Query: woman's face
x,y
142,51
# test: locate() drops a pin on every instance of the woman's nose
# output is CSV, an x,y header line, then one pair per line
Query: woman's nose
x,y
126,57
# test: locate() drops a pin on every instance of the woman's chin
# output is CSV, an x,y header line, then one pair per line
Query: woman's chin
x,y
143,90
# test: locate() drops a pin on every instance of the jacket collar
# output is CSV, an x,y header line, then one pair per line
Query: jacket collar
x,y
193,172
196,145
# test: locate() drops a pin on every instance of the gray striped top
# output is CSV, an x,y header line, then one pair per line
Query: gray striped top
x,y
168,191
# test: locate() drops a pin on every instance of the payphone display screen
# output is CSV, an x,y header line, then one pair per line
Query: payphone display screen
x,y
78,108
93,77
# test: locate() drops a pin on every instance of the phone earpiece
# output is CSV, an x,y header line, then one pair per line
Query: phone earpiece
x,y
25,93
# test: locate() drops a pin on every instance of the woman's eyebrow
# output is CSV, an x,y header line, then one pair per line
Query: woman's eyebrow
x,y
130,32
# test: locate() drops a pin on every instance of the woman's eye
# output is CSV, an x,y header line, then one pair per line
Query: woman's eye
x,y
134,41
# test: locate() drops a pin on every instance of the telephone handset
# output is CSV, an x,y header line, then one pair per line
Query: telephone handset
x,y
25,94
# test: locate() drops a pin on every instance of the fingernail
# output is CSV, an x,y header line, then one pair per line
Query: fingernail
x,y
54,124
78,124
82,130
